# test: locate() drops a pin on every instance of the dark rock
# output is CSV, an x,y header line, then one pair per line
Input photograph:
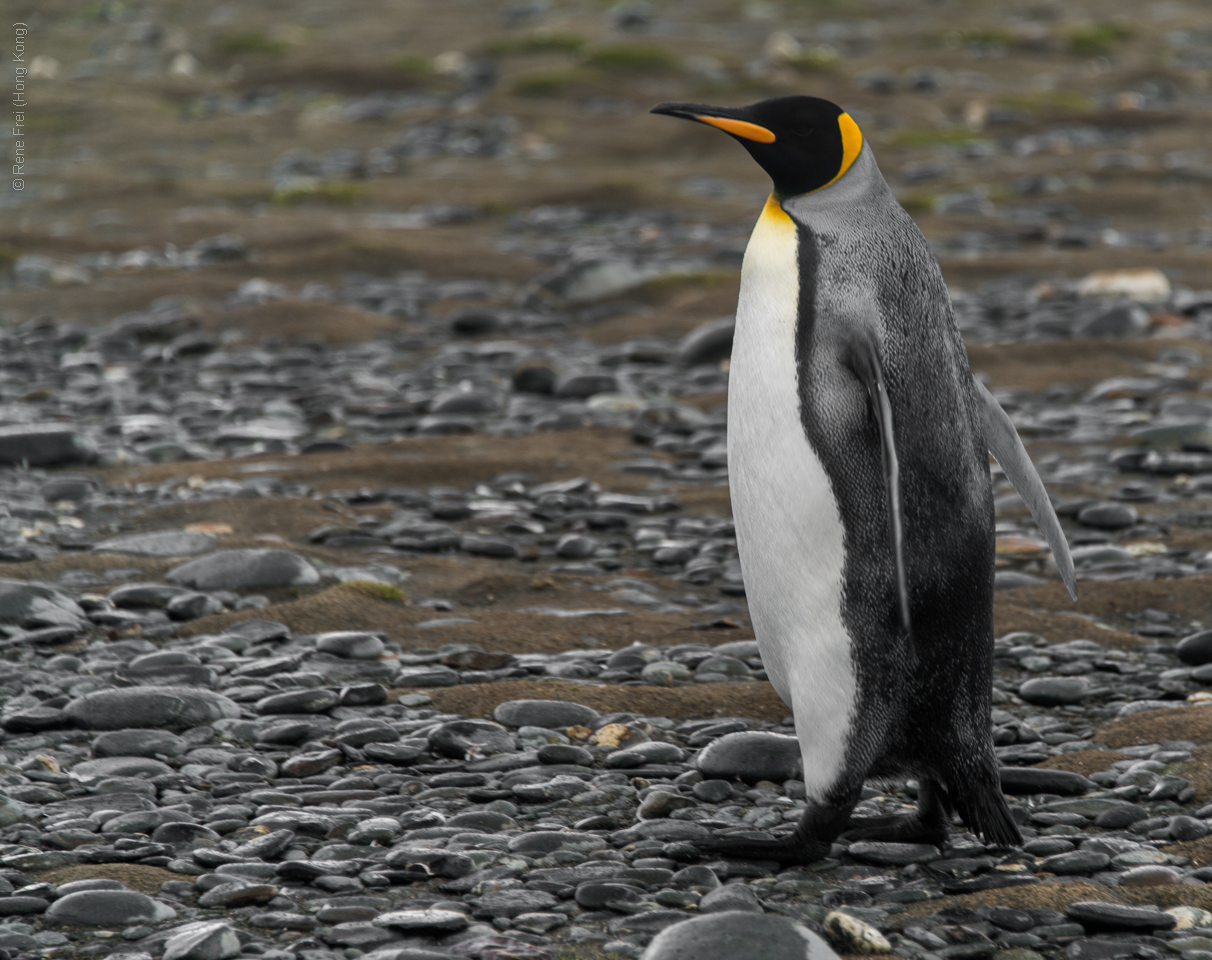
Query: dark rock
x,y
894,854
43,444
1108,515
1029,780
1196,650
709,342
1095,915
462,739
175,708
35,605
1054,691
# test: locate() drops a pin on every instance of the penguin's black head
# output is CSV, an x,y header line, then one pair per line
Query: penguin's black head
x,y
804,143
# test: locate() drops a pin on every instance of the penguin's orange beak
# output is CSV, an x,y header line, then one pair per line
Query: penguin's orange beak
x,y
722,118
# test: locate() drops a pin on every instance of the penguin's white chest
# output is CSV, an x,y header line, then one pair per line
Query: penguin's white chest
x,y
789,529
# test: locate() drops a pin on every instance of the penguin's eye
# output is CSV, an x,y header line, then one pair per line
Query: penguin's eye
x,y
803,133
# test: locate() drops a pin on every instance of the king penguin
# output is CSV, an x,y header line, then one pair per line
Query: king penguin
x,y
858,443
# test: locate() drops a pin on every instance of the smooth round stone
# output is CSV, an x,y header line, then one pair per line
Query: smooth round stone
x,y
18,905
176,708
894,854
655,751
1122,816
108,908
69,486
133,596
1108,515
1096,915
464,738
34,720
1020,781
162,543
34,605
481,546
709,342
203,941
513,903
1152,875
661,803
729,666
1054,691
552,714
144,821
751,755
180,832
580,385
1196,650
1187,828
486,821
75,886
575,546
731,896
712,791
565,753
596,895
665,672
350,644
1077,862
248,568
541,843
735,935
145,767
298,701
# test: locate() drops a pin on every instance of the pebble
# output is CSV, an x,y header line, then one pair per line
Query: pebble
x,y
245,569
543,713
732,936
751,756
108,907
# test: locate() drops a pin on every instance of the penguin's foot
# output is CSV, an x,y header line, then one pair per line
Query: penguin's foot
x,y
911,828
791,851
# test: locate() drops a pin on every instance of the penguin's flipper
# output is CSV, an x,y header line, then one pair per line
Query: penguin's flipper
x,y
864,360
1003,442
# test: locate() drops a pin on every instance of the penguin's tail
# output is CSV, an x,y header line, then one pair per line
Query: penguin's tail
x,y
984,810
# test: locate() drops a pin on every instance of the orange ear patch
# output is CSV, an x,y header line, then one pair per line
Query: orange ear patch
x,y
740,128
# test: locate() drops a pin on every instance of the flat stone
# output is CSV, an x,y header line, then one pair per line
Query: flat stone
x,y
1030,780
162,543
43,444
894,854
1097,915
108,908
709,342
1054,691
552,714
246,568
176,708
139,743
350,644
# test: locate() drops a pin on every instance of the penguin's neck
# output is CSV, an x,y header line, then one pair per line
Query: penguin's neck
x,y
861,185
